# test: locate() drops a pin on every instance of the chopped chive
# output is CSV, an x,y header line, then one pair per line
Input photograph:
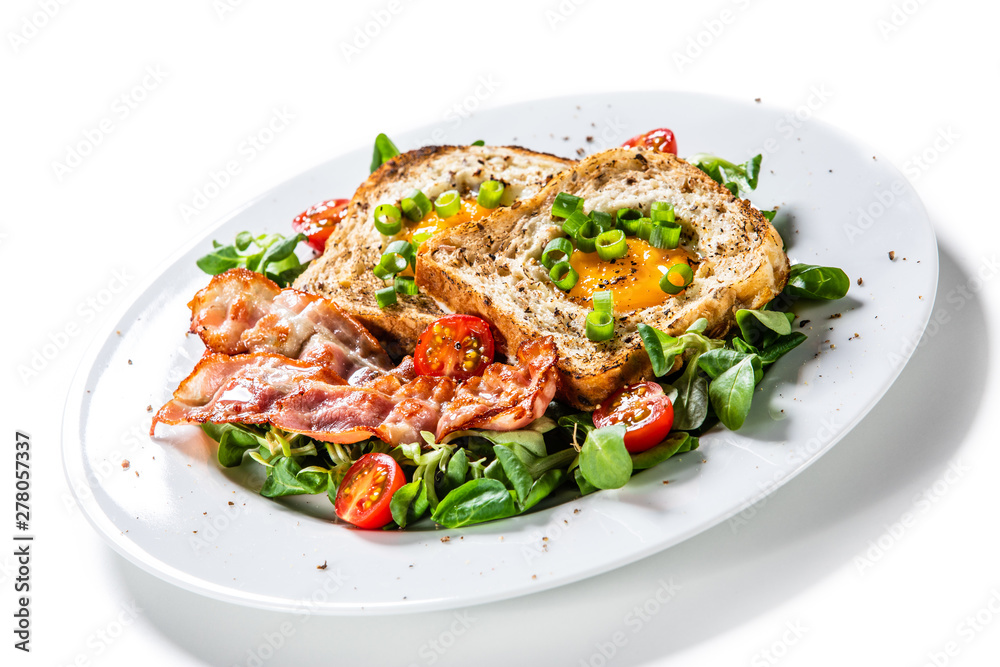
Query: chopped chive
x,y
661,211
564,276
404,249
586,236
388,219
645,228
557,250
603,220
611,245
490,194
604,301
676,279
565,204
406,286
574,222
416,205
389,264
447,204
600,326
665,235
385,296
628,220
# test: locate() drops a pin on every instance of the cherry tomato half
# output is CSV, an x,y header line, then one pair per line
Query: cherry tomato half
x,y
459,346
661,139
364,494
644,410
319,221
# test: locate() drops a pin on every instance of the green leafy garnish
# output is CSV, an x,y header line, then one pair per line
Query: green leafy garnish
x,y
409,503
817,282
475,502
272,255
732,392
737,178
604,461
384,151
676,443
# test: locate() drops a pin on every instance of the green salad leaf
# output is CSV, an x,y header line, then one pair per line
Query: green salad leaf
x,y
737,178
604,461
384,151
272,255
409,503
676,443
475,502
810,281
732,391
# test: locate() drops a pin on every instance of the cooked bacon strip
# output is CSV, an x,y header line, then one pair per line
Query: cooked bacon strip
x,y
303,398
505,398
243,312
244,388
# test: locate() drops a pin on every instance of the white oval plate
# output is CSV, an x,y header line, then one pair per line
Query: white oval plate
x,y
176,513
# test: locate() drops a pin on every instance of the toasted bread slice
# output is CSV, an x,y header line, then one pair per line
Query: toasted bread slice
x,y
344,272
493,268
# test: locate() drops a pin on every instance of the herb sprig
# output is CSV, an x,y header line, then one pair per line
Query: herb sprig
x,y
270,254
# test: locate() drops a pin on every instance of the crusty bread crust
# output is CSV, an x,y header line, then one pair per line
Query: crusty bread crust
x,y
344,272
493,268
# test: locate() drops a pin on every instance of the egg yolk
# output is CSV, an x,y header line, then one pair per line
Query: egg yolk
x,y
432,223
634,279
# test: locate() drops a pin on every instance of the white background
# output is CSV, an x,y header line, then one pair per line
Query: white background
x,y
828,555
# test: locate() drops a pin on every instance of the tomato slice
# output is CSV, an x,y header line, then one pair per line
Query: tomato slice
x,y
644,410
459,346
364,494
660,139
317,222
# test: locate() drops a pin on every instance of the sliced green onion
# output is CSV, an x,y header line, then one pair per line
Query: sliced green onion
x,y
416,205
600,326
661,211
628,220
603,220
490,194
447,204
645,228
611,245
405,285
676,279
564,276
404,249
385,296
565,204
574,222
389,264
665,235
586,236
604,301
422,236
388,219
557,250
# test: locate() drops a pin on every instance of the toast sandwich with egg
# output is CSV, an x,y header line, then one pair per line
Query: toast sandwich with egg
x,y
493,268
344,272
